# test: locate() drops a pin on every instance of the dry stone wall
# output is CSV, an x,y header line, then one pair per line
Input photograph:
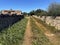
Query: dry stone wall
x,y
50,21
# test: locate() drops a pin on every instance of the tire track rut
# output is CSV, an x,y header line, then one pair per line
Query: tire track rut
x,y
28,34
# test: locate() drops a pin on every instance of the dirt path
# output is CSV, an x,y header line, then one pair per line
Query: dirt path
x,y
52,37
28,34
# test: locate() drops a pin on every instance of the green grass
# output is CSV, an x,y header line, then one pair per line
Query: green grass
x,y
14,34
38,36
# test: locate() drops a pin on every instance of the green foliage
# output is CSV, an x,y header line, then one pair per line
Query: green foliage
x,y
32,12
38,12
44,13
54,9
14,34
25,14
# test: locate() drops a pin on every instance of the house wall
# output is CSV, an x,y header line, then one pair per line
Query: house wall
x,y
17,12
3,12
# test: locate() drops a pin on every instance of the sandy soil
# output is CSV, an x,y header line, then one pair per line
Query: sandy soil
x,y
28,34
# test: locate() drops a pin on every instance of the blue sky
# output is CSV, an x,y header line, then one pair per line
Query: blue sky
x,y
25,5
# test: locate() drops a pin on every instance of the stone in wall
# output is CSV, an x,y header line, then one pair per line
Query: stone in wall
x,y
42,18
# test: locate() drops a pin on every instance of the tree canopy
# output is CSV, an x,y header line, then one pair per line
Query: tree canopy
x,y
25,13
54,9
37,12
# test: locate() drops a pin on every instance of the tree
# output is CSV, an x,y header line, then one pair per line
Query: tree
x,y
25,14
38,12
44,13
54,9
32,12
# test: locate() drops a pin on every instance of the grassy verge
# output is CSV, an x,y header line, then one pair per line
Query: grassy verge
x,y
38,36
51,28
14,34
